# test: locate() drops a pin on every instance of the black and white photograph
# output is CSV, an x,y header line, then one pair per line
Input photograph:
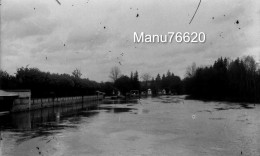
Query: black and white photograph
x,y
129,78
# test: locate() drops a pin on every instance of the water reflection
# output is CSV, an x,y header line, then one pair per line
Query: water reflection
x,y
119,101
48,122
48,118
56,118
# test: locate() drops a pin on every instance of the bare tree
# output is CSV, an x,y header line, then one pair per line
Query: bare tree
x,y
146,77
115,73
77,73
258,67
191,70
250,63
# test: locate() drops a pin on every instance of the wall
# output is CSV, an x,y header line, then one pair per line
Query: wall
x,y
27,120
23,101
23,104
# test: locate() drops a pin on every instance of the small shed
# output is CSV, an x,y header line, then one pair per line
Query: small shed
x,y
7,100
99,93
15,100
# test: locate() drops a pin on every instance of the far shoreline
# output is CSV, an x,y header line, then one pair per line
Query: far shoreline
x,y
216,99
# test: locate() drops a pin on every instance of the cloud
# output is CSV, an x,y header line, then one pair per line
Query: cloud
x,y
25,29
82,39
15,12
26,19
35,30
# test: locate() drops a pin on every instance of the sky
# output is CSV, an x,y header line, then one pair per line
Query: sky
x,y
96,35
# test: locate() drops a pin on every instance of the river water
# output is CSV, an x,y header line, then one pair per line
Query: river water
x,y
147,126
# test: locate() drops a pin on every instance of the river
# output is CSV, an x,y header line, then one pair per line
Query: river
x,y
166,125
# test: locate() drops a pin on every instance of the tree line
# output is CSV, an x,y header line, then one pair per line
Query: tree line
x,y
168,82
123,83
46,84
226,79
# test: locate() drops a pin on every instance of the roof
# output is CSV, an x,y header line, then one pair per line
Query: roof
x,y
4,93
100,92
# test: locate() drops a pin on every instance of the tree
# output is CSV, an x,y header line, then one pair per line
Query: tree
x,y
6,81
77,73
157,83
123,84
115,73
250,63
158,78
108,88
191,70
146,77
136,82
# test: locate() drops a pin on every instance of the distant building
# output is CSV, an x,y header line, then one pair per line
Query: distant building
x,y
14,98
163,92
7,100
149,92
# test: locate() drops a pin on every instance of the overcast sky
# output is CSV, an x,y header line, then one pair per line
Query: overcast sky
x,y
60,38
